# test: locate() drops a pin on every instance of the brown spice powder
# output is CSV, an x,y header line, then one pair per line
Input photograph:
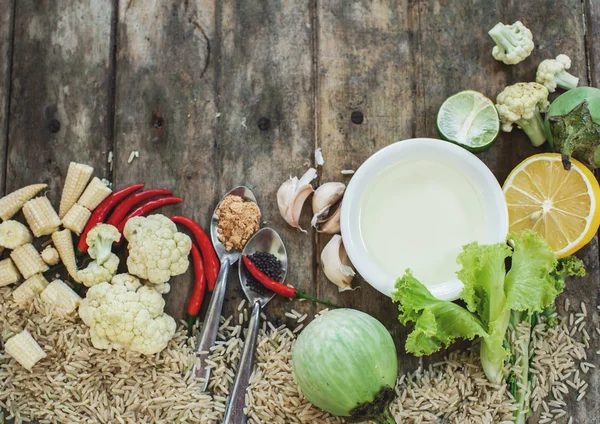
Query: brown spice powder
x,y
238,221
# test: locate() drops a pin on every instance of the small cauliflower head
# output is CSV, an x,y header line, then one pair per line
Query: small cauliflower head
x,y
514,43
100,240
95,273
552,73
157,251
126,314
522,104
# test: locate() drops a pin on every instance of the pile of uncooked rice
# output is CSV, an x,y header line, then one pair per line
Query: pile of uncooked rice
x,y
77,383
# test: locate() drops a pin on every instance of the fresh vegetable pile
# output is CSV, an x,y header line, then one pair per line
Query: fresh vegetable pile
x,y
124,310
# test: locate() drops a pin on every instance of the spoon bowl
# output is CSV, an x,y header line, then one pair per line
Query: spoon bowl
x,y
265,240
232,255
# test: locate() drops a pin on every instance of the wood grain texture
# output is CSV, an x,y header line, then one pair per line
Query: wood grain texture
x,y
265,76
592,22
59,79
369,61
6,32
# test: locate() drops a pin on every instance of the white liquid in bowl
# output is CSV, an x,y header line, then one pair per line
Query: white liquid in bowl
x,y
418,214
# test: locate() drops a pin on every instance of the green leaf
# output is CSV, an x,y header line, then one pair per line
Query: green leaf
x,y
483,273
529,285
438,323
575,134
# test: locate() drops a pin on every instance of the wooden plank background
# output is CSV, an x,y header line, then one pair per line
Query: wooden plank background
x,y
214,94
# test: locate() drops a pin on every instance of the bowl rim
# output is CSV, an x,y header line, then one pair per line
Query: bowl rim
x,y
371,167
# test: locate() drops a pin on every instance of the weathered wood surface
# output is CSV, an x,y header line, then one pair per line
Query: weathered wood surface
x,y
6,32
60,92
214,94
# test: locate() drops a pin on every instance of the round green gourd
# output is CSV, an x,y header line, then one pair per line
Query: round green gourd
x,y
345,363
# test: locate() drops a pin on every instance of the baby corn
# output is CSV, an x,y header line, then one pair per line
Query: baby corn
x,y
24,349
61,296
28,260
50,255
78,176
41,216
14,234
76,218
63,242
8,272
11,203
30,288
94,194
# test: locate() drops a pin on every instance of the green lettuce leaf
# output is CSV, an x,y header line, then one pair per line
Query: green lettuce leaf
x,y
530,285
438,323
483,273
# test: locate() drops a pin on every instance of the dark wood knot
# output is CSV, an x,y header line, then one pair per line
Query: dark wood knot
x,y
357,117
54,126
264,124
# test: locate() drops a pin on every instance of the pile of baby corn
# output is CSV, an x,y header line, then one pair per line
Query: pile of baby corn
x,y
25,262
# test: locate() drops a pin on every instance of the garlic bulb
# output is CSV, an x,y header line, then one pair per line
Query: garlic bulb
x,y
336,264
325,197
291,197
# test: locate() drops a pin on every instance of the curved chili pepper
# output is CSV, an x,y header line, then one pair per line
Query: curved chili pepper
x,y
102,211
277,287
144,209
125,207
211,262
195,302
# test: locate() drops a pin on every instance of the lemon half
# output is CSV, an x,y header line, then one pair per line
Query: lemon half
x,y
560,205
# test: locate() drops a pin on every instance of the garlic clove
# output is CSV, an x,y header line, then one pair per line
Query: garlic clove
x,y
332,224
336,264
291,197
325,197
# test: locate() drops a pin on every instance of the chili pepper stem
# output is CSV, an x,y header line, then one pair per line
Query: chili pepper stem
x,y
301,295
191,321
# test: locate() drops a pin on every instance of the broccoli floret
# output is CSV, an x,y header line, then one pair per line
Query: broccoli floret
x,y
514,43
521,104
552,73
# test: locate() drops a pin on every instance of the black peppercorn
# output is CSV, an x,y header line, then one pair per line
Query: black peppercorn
x,y
269,265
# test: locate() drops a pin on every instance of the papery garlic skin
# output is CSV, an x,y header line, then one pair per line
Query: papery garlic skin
x,y
291,197
332,224
325,197
336,264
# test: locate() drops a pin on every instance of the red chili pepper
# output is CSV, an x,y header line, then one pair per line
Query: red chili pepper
x,y
145,208
125,207
102,211
277,287
211,262
195,302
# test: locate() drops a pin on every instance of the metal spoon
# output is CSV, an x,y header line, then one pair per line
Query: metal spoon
x,y
208,335
265,240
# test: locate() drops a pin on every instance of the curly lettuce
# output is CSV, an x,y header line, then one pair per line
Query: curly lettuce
x,y
490,293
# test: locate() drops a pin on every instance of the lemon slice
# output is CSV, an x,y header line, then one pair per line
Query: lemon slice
x,y
560,205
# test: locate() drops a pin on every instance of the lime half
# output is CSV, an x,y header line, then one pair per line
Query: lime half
x,y
470,120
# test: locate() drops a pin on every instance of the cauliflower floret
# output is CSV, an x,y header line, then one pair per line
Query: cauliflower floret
x,y
514,43
552,73
521,104
125,314
100,240
157,250
95,273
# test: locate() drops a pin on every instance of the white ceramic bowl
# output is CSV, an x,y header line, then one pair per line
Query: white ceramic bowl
x,y
447,153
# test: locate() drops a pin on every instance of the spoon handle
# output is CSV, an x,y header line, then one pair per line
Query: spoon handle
x,y
208,335
234,414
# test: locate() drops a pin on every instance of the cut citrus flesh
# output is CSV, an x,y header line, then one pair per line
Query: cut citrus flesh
x,y
560,205
470,120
